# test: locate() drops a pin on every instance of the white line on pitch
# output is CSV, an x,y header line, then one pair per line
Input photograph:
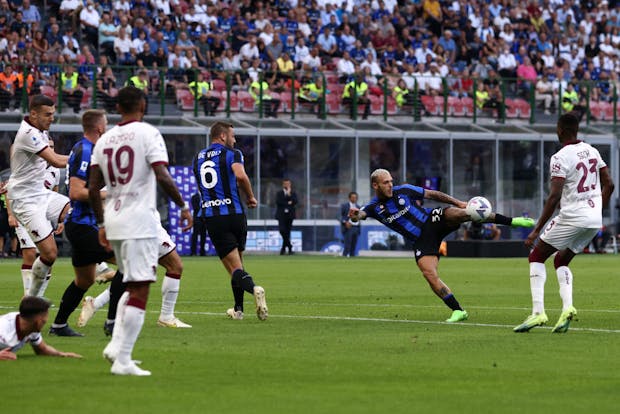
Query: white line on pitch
x,y
410,321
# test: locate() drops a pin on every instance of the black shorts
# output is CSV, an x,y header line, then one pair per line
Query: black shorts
x,y
227,233
433,232
85,247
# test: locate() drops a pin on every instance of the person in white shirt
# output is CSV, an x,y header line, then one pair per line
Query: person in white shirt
x,y
345,68
581,187
506,64
24,327
33,205
130,159
350,230
249,51
313,60
90,18
301,51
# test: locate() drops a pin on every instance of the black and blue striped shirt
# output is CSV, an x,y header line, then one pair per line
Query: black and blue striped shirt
x,y
401,212
79,166
216,181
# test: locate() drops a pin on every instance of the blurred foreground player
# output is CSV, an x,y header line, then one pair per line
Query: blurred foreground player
x,y
131,159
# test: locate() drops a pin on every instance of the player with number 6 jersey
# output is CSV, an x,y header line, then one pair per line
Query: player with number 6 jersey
x,y
220,174
581,186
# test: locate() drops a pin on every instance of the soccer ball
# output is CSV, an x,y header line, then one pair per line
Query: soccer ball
x,y
479,208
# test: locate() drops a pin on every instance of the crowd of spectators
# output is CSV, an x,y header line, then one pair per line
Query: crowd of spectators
x,y
528,45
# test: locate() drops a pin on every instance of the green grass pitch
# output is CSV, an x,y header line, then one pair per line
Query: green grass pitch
x,y
357,335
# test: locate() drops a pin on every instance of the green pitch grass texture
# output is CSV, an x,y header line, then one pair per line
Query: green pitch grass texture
x,y
361,335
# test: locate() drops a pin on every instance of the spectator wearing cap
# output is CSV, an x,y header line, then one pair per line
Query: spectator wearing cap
x,y
449,45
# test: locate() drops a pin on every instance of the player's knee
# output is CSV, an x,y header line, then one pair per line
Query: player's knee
x,y
536,256
560,260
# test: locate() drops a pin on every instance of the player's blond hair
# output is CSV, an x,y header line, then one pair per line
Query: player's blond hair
x,y
374,177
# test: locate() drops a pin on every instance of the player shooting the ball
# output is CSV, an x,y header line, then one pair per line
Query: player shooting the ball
x,y
398,208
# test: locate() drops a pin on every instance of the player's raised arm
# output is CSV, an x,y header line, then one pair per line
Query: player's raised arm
x,y
167,184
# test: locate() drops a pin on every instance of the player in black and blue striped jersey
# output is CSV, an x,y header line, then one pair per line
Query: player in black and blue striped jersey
x,y
399,208
80,224
220,175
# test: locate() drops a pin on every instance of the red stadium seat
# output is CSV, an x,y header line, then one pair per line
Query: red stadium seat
x,y
524,108
333,104
234,101
468,105
219,85
512,108
429,104
456,106
49,91
246,101
607,110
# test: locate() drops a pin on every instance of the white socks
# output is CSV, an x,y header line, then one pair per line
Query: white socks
x,y
169,294
118,325
565,279
39,274
26,279
538,276
133,319
43,287
102,299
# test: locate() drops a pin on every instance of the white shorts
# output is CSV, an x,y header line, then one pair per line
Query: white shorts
x,y
562,236
136,259
39,214
166,245
25,242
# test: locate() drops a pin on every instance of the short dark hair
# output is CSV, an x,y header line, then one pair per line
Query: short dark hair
x,y
129,98
37,101
351,193
33,305
219,128
569,124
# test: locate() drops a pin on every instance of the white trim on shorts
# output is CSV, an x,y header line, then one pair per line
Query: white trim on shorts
x,y
137,259
562,236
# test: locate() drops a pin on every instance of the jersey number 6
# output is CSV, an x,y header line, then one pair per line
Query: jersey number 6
x,y
208,175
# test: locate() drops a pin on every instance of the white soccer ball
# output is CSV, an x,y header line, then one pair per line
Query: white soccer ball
x,y
479,208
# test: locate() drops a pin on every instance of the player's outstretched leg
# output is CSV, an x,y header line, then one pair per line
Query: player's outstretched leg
x,y
428,267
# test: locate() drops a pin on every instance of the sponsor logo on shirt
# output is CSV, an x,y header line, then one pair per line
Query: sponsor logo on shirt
x,y
398,215
216,203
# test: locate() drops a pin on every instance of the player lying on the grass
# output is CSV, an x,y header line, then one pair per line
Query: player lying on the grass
x,y
398,208
581,186
19,328
171,261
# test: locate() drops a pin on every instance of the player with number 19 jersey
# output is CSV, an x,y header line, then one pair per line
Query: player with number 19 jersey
x,y
579,164
125,154
216,181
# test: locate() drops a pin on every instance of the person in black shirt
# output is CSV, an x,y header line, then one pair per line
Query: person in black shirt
x,y
286,201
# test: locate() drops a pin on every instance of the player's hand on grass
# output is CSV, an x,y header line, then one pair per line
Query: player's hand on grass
x,y
7,355
70,355
187,218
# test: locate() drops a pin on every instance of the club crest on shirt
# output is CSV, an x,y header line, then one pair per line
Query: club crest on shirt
x,y
401,201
